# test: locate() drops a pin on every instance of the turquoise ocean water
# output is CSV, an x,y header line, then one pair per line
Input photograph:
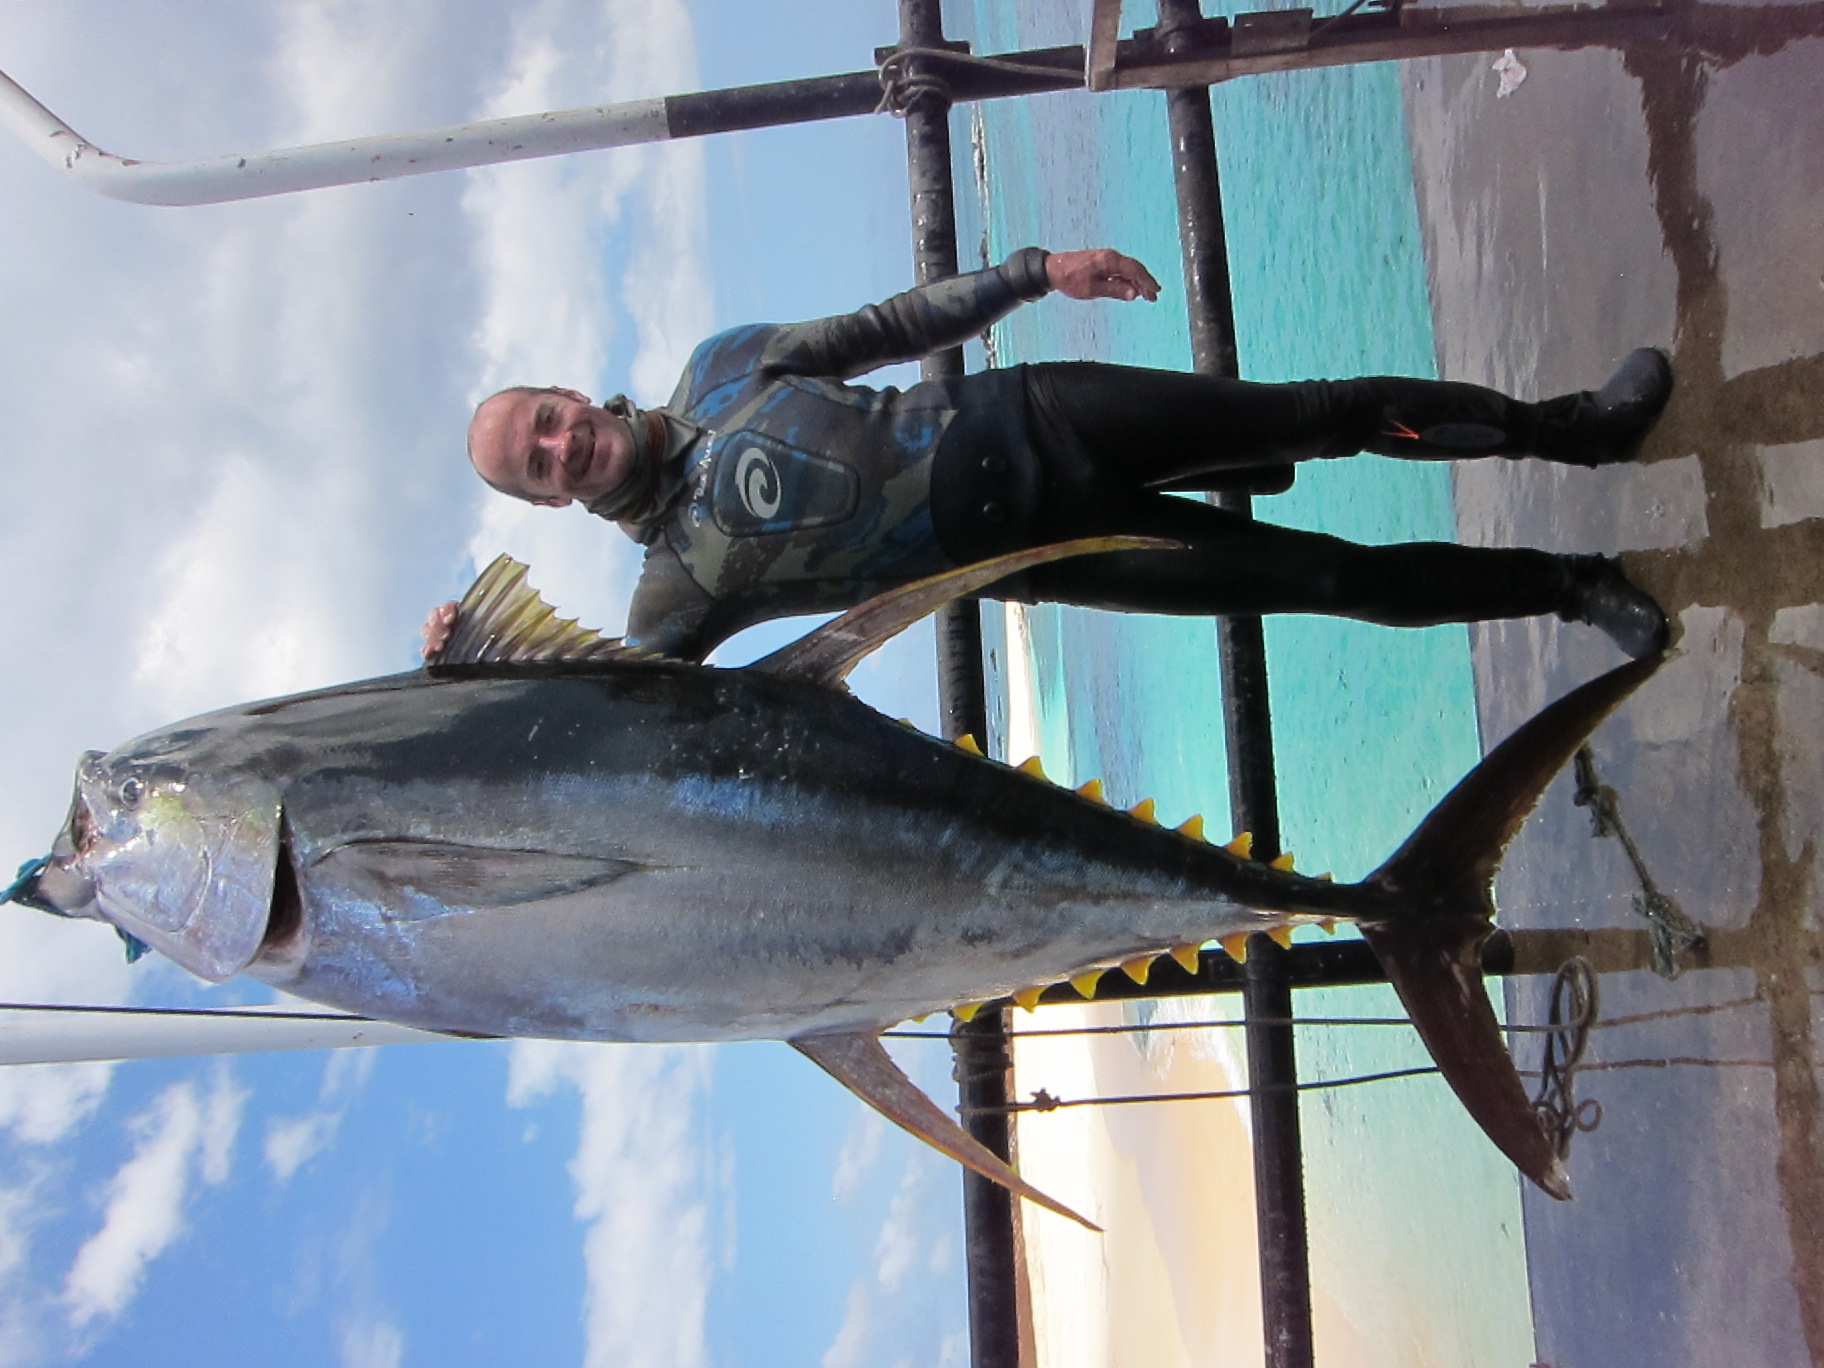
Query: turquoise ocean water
x,y
1414,1220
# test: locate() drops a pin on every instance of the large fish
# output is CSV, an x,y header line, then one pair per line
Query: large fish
x,y
546,834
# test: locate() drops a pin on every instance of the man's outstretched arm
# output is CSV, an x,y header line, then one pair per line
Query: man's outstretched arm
x,y
945,314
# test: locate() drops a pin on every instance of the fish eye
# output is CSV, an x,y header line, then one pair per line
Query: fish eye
x,y
132,789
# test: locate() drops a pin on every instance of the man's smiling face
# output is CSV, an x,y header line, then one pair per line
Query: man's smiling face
x,y
550,446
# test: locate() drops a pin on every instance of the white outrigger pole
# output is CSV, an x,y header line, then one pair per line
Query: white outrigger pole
x,y
313,167
34,1033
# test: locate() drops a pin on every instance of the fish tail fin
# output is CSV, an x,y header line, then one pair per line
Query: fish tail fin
x,y
1438,887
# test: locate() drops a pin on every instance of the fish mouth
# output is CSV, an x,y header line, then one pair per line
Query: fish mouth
x,y
60,886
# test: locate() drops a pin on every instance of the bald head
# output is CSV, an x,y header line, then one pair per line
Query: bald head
x,y
549,446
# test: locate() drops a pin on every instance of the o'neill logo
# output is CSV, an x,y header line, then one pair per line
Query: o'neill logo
x,y
758,482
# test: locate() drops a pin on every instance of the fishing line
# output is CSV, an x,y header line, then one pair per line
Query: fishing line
x,y
1043,1101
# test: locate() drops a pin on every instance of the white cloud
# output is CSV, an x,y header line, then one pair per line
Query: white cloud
x,y
645,1185
897,1247
177,1135
860,1151
19,1211
851,1348
371,1344
293,1141
42,1103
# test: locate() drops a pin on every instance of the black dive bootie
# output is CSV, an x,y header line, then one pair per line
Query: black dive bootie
x,y
1609,424
1600,595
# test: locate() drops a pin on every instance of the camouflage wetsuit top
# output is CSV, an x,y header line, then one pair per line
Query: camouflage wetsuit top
x,y
784,490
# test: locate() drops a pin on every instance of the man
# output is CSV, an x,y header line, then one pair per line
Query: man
x,y
769,486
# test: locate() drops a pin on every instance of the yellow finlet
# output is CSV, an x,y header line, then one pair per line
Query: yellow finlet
x,y
1138,969
1236,947
1030,765
1242,847
967,742
1281,936
1029,997
1092,791
1282,862
1192,826
1146,810
1188,956
1327,926
966,1012
1086,983
1325,877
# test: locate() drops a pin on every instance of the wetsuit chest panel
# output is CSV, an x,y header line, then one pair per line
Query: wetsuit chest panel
x,y
760,485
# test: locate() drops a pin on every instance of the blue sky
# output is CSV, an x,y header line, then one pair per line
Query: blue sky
x,y
230,447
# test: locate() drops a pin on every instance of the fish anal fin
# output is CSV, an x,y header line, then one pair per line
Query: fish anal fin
x,y
826,655
501,620
861,1064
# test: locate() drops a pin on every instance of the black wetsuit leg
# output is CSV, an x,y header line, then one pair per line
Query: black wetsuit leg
x,y
1168,427
1237,565
1102,437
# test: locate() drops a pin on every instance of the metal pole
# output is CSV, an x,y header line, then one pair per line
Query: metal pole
x,y
1285,1278
984,1063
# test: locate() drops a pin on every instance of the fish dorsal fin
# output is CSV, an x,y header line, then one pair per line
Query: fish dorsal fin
x,y
826,655
503,621
861,1064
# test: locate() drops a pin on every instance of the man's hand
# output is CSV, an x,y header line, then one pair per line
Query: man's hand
x,y
1100,273
437,628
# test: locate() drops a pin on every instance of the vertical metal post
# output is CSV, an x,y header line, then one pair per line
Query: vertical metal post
x,y
961,685
984,1062
1278,1153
